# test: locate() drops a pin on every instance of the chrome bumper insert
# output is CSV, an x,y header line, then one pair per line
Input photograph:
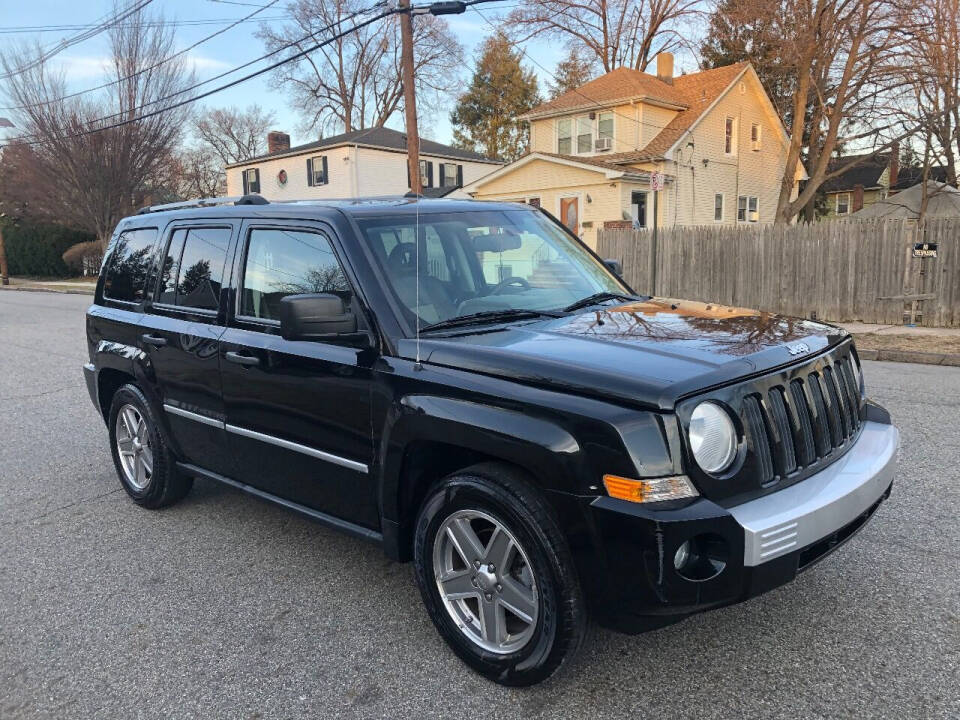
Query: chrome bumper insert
x,y
801,514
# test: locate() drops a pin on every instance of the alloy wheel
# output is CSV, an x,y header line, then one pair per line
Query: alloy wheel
x,y
133,446
486,581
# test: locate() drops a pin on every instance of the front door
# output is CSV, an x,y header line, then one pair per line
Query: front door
x,y
180,332
570,214
298,412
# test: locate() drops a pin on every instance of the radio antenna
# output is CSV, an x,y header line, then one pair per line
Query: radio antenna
x,y
416,239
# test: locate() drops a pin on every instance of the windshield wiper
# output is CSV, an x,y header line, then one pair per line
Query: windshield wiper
x,y
489,316
596,298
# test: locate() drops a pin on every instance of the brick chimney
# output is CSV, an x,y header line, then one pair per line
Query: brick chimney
x,y
894,162
665,67
857,198
277,141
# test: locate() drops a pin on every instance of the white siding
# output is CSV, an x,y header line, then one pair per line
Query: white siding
x,y
353,172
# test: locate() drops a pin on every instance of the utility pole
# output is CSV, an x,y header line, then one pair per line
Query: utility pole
x,y
409,96
4,277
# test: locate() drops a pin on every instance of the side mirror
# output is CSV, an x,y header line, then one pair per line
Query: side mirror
x,y
319,316
614,266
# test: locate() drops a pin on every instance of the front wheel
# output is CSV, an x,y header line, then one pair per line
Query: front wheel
x,y
496,575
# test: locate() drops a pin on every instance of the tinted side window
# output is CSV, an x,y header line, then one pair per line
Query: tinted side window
x,y
171,268
287,262
126,276
200,272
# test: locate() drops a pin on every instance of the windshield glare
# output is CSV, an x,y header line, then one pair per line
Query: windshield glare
x,y
482,261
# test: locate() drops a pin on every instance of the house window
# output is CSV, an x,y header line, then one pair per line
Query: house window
x,y
638,208
564,136
317,171
534,201
584,135
426,173
451,175
729,136
755,136
747,209
718,207
605,131
843,203
251,181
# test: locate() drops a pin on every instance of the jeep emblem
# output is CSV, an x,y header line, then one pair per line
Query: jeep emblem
x,y
798,348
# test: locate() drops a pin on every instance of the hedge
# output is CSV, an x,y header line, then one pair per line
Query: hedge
x,y
37,249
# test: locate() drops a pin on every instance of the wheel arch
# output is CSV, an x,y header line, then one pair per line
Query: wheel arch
x,y
432,437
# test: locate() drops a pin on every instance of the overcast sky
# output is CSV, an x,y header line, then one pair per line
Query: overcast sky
x,y
83,63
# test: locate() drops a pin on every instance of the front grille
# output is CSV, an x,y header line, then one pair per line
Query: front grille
x,y
803,423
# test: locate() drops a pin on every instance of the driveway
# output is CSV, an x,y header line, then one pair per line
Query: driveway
x,y
226,607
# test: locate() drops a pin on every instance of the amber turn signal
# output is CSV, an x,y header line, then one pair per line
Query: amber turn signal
x,y
652,490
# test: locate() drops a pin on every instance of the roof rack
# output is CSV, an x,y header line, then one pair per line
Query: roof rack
x,y
249,199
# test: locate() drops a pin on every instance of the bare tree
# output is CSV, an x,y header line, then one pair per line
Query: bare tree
x,y
932,71
234,135
97,173
197,172
354,82
616,32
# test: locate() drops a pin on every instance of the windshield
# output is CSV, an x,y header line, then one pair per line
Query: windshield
x,y
482,261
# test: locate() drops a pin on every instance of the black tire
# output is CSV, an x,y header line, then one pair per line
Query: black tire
x,y
506,495
164,484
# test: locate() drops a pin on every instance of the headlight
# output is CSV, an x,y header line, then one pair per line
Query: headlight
x,y
713,437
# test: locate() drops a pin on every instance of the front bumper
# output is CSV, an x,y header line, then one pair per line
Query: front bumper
x,y
758,545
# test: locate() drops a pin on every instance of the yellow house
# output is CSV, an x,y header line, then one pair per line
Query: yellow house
x,y
634,149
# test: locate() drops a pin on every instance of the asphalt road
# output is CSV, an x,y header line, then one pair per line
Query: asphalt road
x,y
225,607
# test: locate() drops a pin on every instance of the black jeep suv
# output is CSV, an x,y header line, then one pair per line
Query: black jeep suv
x,y
470,387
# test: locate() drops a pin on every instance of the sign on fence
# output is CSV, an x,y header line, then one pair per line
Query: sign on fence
x,y
925,250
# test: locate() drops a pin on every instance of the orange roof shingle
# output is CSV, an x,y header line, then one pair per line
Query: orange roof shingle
x,y
694,92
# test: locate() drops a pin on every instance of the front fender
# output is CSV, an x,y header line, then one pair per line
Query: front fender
x,y
541,447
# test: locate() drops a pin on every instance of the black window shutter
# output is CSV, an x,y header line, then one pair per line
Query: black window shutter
x,y
429,174
409,184
326,177
246,185
459,175
256,175
309,171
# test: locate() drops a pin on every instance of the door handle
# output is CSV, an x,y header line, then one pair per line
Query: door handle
x,y
239,359
153,340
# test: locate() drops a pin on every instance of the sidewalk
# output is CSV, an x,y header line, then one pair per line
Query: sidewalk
x,y
79,286
901,343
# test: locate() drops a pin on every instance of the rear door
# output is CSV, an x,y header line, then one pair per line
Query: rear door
x,y
180,332
298,413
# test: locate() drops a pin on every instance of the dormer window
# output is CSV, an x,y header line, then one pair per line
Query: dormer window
x,y
585,134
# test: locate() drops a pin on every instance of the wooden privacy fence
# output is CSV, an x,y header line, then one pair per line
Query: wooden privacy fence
x,y
840,271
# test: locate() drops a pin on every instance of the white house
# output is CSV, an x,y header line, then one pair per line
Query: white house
x,y
362,163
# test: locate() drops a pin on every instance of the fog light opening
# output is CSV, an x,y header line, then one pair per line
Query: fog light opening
x,y
702,557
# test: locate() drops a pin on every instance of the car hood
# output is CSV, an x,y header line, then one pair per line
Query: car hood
x,y
650,352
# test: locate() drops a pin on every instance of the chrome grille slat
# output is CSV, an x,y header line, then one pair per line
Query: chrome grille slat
x,y
837,401
786,454
758,440
806,450
824,428
853,392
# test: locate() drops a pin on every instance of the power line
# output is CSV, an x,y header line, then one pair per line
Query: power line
x,y
69,42
33,29
221,75
144,70
231,84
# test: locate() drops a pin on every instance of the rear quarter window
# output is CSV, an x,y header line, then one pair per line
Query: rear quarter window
x,y
129,266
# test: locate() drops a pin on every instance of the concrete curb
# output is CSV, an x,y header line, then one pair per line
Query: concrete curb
x,y
909,356
65,291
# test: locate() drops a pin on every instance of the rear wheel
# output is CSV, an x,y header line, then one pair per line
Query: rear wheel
x,y
145,464
496,575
